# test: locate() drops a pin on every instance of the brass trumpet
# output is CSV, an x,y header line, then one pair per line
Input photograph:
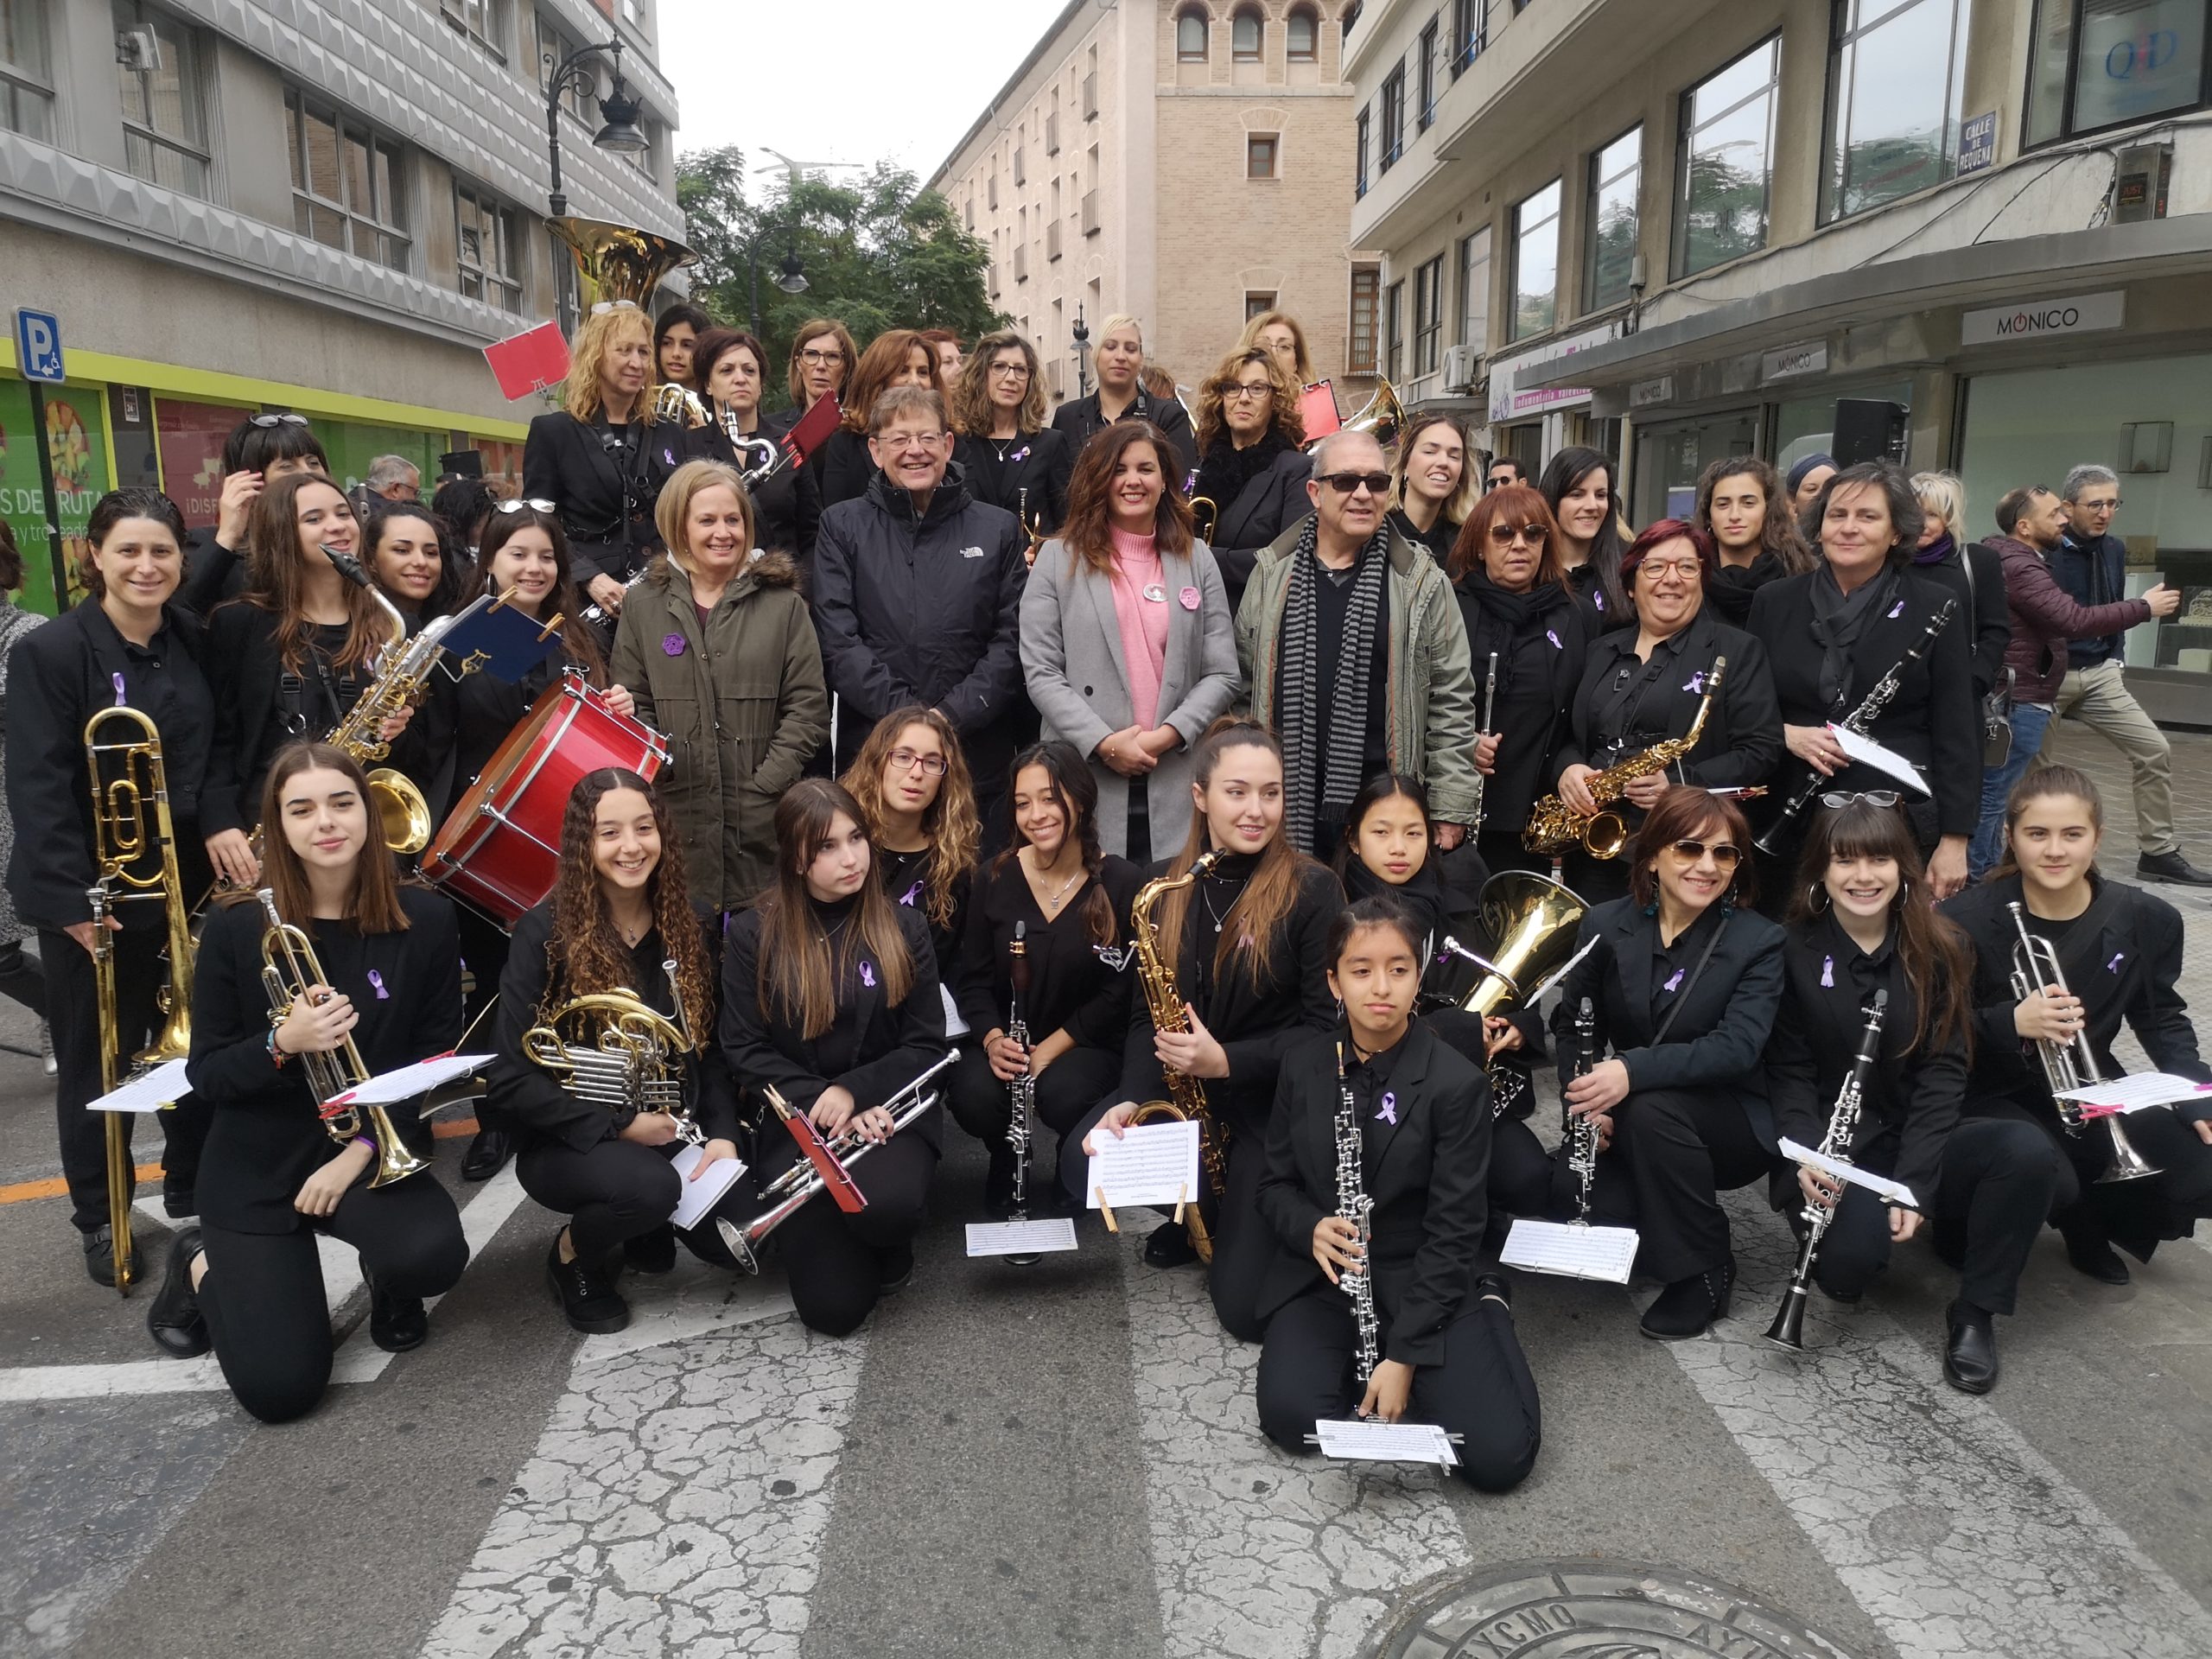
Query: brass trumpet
x,y
2070,1064
674,405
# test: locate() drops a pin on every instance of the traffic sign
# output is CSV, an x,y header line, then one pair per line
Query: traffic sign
x,y
38,347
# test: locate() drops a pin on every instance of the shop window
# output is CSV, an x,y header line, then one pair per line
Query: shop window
x,y
1671,454
1302,36
1245,36
345,183
164,114
2095,64
1727,148
1366,285
1616,176
26,76
490,264
1897,75
1428,316
1536,262
1190,36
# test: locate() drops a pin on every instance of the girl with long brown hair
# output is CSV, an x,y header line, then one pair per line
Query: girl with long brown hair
x,y
897,357
1247,944
830,995
917,804
1433,488
247,1278
1740,505
1252,461
619,919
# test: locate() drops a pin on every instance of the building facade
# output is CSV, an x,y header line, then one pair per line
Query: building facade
x,y
1187,162
327,206
1686,232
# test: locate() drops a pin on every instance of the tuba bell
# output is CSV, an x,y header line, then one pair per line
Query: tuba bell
x,y
1383,416
617,262
1532,920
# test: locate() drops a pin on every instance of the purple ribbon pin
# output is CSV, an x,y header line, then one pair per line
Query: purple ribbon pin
x,y
1598,598
911,894
1674,981
1827,973
2112,967
1896,610
1021,454
1553,638
671,645
868,975
1695,683
1388,1111
377,980
120,699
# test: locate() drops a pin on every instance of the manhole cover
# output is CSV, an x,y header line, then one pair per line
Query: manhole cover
x,y
1596,1610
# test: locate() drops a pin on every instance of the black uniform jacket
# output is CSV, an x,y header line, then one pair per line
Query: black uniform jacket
x,y
874,1047
1039,463
789,505
1540,640
1742,741
59,676
266,1140
1426,1177
846,466
1269,504
464,723
1074,981
606,497
1255,1023
1975,575
1911,1100
1932,721
2121,956
1081,421
528,1101
1727,1010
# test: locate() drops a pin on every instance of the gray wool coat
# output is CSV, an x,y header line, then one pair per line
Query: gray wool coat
x,y
1072,660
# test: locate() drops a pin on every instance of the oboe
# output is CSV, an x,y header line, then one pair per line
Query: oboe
x,y
1355,1206
1022,1093
1582,1132
1489,708
1787,1330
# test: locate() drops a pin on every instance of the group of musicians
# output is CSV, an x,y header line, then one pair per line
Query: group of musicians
x,y
796,956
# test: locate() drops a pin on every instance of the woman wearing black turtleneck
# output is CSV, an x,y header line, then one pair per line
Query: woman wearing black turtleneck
x,y
829,996
1517,607
1432,491
1741,505
1252,464
1578,487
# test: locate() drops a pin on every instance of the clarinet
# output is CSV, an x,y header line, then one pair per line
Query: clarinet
x,y
1787,1330
1022,1091
1355,1206
1856,722
1490,708
1582,1132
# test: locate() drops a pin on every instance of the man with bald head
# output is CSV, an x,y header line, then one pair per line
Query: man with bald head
x,y
1350,640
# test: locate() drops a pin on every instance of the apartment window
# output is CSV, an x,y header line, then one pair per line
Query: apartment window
x,y
1728,148
164,123
345,183
1191,36
1474,290
26,79
1259,155
641,161
1467,34
1258,304
1428,316
1245,36
638,15
1897,75
1359,173
490,263
1536,262
555,44
483,20
1427,77
1616,174
1366,288
1302,36
1394,342
2095,64
1394,114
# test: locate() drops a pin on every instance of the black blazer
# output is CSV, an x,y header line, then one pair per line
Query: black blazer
x,y
1911,1101
1267,506
1082,422
1426,1178
265,1138
1727,1011
1976,574
846,467
789,505
2126,965
1073,982
564,462
1540,662
1932,721
1040,462
1742,742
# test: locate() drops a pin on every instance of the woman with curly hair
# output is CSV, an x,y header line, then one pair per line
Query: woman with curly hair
x,y
917,804
1252,463
620,920
1740,505
1011,458
898,357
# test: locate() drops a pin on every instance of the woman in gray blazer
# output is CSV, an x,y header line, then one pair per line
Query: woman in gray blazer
x,y
1128,640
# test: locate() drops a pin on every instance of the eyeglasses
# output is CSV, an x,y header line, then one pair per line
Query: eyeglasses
x,y
2104,504
899,443
1836,800
1725,853
1351,483
1247,394
1011,371
606,306
820,358
1506,535
264,421
1682,570
535,503
907,760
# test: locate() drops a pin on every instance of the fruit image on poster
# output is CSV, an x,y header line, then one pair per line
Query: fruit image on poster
x,y
78,453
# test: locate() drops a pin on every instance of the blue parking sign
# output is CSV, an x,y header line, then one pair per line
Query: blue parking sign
x,y
38,347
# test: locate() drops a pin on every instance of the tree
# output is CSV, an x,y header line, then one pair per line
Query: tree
x,y
878,253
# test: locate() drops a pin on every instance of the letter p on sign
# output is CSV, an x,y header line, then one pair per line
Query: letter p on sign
x,y
38,347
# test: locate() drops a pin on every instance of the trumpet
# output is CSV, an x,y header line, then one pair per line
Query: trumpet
x,y
851,1140
2069,1065
288,970
1554,825
1787,1330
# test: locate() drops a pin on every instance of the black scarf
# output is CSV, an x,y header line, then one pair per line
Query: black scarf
x,y
1226,469
1514,611
1838,621
1421,893
1329,722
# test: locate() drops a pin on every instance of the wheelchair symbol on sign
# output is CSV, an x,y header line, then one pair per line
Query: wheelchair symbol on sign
x,y
38,347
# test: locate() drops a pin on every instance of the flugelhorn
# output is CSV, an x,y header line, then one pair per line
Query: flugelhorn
x,y
2069,1065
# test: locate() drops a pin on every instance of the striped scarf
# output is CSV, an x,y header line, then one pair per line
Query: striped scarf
x,y
1329,721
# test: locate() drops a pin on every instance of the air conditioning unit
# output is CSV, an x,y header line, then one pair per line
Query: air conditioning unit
x,y
138,50
1462,368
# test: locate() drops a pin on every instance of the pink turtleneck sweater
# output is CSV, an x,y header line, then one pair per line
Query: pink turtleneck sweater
x,y
1144,621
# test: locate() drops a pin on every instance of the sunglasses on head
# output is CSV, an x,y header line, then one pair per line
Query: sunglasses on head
x,y
1725,853
1346,483
605,306
536,504
1835,800
264,421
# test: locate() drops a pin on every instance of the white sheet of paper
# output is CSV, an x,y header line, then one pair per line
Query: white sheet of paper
x,y
1868,752
2144,1088
162,1086
1572,1252
701,1195
1020,1237
1881,1185
953,1025
1157,1164
409,1081
1384,1442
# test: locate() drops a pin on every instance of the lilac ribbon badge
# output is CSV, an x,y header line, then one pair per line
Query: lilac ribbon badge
x,y
1827,973
868,974
2112,967
1020,454
1674,981
1695,683
1553,638
1598,598
908,897
671,645
120,699
1388,1111
1896,610
377,980
1189,597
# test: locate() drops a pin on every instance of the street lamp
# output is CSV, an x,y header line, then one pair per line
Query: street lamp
x,y
1081,334
619,109
792,279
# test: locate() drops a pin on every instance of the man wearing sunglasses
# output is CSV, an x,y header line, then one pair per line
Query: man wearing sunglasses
x,y
1352,644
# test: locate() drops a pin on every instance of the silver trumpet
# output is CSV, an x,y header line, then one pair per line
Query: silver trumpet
x,y
2070,1064
852,1140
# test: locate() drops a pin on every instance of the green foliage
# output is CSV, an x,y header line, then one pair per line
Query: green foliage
x,y
878,253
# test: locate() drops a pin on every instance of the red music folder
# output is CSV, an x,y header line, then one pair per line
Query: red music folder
x,y
1318,404
529,361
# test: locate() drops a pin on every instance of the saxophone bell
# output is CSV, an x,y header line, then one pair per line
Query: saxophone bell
x,y
1187,1095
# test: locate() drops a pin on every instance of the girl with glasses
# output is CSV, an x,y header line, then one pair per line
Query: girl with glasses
x,y
1740,505
1433,489
917,804
1252,461
729,370
1578,486
1010,457
1684,983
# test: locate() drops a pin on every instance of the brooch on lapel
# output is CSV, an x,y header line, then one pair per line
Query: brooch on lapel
x,y
671,645
1387,1110
1190,598
1827,973
868,974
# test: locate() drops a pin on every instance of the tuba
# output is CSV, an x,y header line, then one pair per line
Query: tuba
x,y
1187,1095
1554,825
2072,1065
617,262
1383,416
611,1049
1532,919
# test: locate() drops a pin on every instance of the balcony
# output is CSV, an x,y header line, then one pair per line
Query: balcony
x,y
1090,213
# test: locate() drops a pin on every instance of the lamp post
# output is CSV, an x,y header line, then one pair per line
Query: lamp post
x,y
792,279
1081,334
618,110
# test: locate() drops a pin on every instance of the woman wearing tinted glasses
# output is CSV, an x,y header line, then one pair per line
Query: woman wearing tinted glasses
x,y
1684,985
1252,463
729,368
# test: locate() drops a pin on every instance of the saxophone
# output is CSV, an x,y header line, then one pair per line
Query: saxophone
x,y
1186,1096
1355,1206
402,669
1554,826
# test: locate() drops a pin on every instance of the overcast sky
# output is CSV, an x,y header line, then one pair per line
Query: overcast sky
x,y
842,80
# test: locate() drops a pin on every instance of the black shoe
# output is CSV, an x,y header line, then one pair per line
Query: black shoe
x,y
2173,867
1970,1351
1847,1298
1169,1246
894,1270
178,1200
651,1252
592,1303
175,1320
2092,1253
998,1182
1495,1285
396,1323
100,1257
1688,1306
488,1154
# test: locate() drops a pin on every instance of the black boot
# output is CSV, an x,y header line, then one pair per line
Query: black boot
x,y
2091,1252
1970,1349
651,1251
173,1320
396,1322
488,1154
587,1296
1688,1306
1169,1246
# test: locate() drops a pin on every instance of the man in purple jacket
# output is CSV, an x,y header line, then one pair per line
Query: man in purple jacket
x,y
2044,617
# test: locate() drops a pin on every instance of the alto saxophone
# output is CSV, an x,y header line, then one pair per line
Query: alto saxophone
x,y
1554,825
1186,1096
1354,1205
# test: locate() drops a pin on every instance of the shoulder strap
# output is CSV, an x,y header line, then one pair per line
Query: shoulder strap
x,y
1690,984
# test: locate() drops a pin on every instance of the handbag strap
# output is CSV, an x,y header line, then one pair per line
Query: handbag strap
x,y
1690,984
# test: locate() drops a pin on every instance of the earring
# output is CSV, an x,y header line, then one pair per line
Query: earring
x,y
1816,898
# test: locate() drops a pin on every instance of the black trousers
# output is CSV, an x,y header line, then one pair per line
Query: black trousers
x,y
1674,1151
836,1262
2137,1214
1483,1392
73,1018
484,945
1521,1180
263,1293
22,978
1067,1089
1597,880
1994,1192
1501,849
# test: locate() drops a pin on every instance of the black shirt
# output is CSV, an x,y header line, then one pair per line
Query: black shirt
x,y
1074,981
905,878
1618,726
1438,539
1374,1106
1334,592
1672,964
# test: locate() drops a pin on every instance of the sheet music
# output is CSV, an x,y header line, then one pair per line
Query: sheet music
x,y
1373,1442
1868,752
409,1081
1881,1185
953,1025
2144,1088
1572,1252
1157,1164
701,1196
1020,1237
162,1087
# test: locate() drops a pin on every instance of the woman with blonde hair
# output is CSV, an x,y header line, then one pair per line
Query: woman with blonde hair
x,y
1252,465
1974,572
1277,333
1432,490
1010,457
917,804
897,357
1117,359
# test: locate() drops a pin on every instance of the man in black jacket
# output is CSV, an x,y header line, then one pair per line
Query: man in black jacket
x,y
918,594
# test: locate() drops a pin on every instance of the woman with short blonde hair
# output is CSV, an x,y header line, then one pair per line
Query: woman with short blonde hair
x,y
1117,363
1278,334
1974,572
